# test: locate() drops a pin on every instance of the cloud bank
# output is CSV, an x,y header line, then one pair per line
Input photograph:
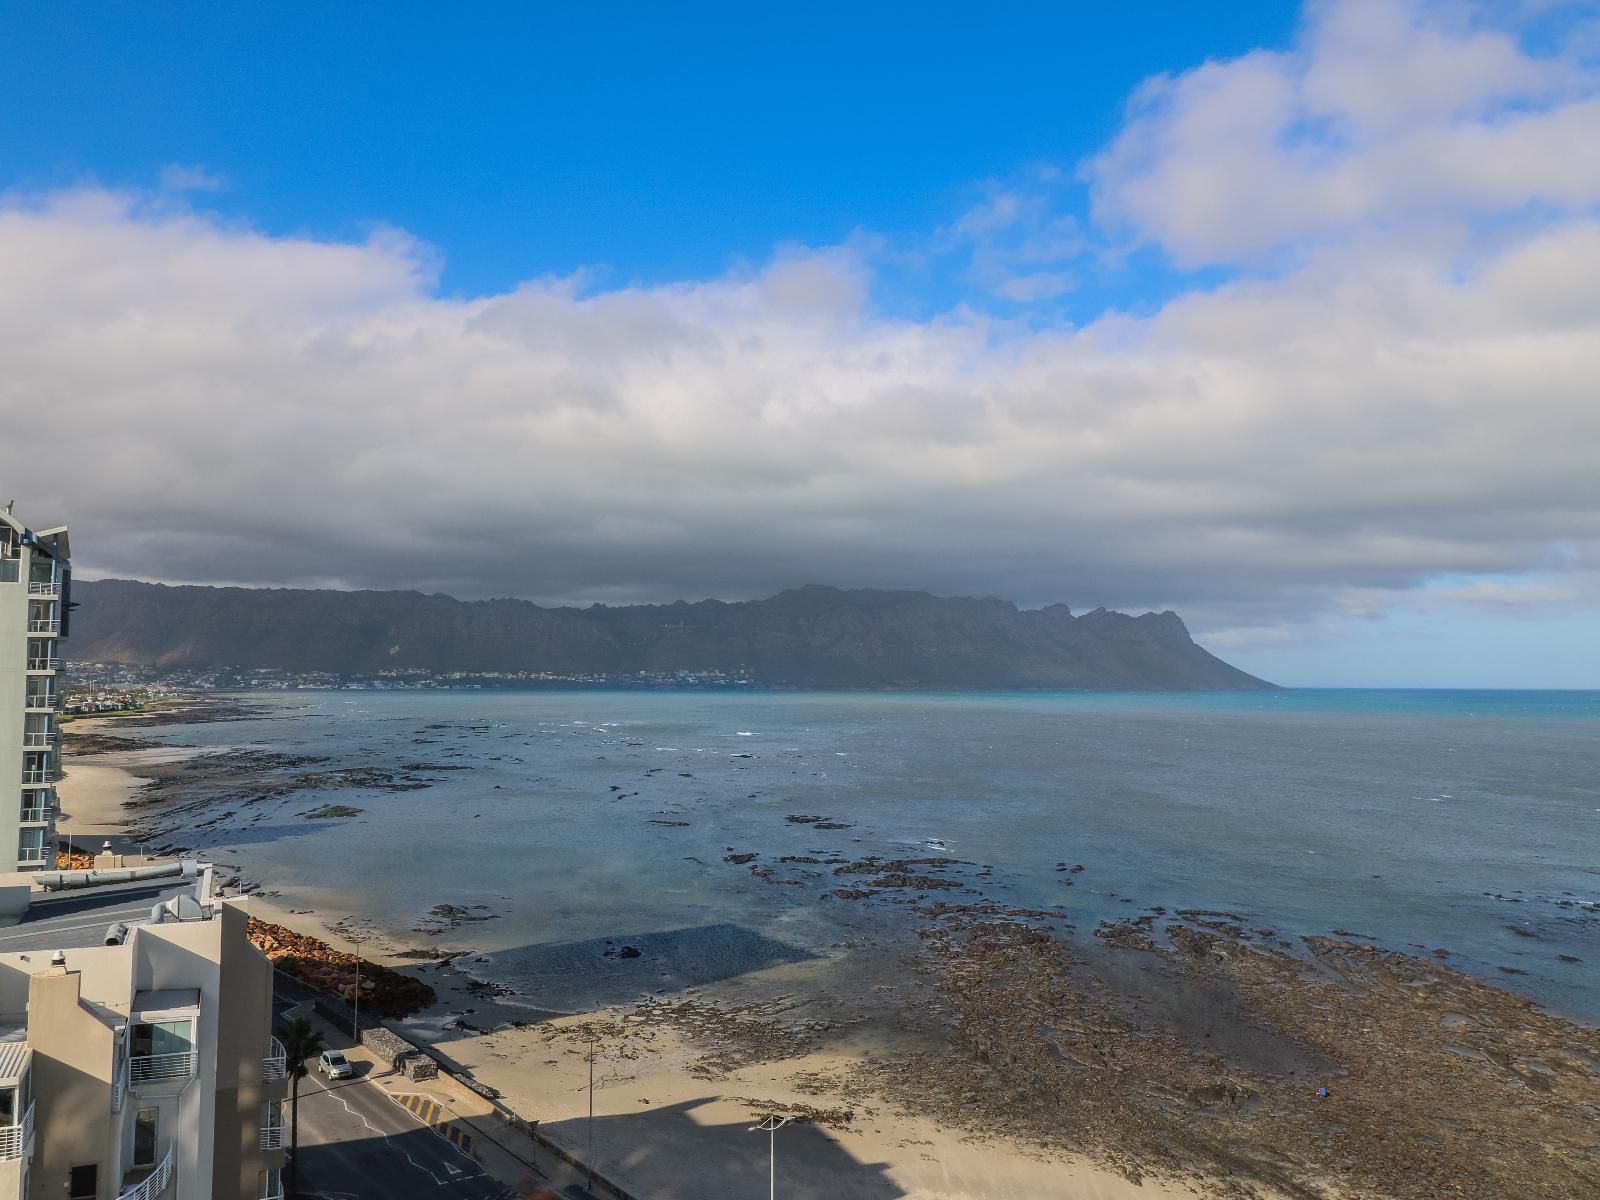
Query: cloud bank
x,y
1395,385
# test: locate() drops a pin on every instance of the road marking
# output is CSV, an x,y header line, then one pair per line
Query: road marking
x,y
385,1136
435,1116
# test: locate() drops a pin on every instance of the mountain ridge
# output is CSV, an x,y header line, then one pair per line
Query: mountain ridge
x,y
813,636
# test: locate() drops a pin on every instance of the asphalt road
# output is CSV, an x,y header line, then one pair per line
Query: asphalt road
x,y
356,1143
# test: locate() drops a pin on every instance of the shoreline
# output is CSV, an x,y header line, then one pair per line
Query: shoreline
x,y
1195,1029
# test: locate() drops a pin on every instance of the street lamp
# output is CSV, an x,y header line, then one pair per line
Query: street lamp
x,y
771,1124
355,1000
591,1039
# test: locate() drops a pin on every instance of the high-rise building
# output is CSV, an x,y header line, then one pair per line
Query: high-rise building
x,y
35,577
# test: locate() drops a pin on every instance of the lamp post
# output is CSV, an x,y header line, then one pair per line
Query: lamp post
x,y
355,1001
590,1155
771,1124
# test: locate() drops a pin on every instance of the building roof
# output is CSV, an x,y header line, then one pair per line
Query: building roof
x,y
13,1059
72,920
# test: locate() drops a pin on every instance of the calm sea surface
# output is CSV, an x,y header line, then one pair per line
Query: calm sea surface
x,y
1419,818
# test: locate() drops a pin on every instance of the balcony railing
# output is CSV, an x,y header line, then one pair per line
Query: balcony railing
x,y
275,1063
272,1137
38,741
149,1068
41,701
44,626
14,1139
36,775
30,854
52,663
48,590
34,816
153,1184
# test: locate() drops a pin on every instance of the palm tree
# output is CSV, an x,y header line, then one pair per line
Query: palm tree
x,y
301,1042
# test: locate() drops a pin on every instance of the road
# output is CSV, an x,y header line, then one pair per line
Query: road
x,y
356,1143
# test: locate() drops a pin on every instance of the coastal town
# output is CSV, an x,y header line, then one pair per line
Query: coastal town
x,y
123,678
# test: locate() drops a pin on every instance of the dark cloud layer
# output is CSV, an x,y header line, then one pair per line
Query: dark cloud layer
x,y
1397,400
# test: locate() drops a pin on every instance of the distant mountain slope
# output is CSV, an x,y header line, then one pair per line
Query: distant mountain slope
x,y
809,637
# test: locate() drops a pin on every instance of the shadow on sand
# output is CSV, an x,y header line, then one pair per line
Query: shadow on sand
x,y
577,976
672,1156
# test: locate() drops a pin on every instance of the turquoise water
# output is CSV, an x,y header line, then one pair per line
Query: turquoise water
x,y
1422,819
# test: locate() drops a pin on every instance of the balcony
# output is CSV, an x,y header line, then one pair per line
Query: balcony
x,y
275,1064
153,1184
37,775
41,702
272,1137
35,816
272,1187
14,1139
50,663
30,854
44,626
48,590
152,1068
39,741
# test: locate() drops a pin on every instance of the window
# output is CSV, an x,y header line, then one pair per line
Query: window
x,y
8,1106
144,1138
83,1183
162,1037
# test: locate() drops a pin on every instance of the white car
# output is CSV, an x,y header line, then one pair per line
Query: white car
x,y
335,1065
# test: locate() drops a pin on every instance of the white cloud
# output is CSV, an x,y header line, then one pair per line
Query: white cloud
x,y
1386,115
204,402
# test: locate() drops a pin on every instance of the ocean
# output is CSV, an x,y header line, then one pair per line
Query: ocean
x,y
584,822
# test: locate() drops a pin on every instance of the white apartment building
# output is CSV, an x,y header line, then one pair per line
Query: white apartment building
x,y
142,1066
35,577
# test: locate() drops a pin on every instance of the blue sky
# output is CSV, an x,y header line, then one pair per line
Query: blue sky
x,y
1280,316
658,142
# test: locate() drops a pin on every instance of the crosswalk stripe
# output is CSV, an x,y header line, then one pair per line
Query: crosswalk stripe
x,y
433,1114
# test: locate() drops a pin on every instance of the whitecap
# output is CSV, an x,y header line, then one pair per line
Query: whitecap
x,y
743,733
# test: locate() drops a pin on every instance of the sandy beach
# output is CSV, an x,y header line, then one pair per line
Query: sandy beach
x,y
665,1126
97,788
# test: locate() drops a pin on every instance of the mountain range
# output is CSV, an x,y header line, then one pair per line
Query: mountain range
x,y
807,637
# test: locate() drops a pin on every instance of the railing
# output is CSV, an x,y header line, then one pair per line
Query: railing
x,y
272,1137
275,1064
41,700
34,816
14,1139
147,1068
33,775
30,854
47,590
153,1184
39,741
44,664
44,626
